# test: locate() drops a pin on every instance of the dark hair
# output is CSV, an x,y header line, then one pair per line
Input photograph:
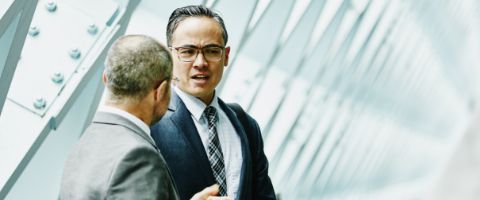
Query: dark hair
x,y
180,14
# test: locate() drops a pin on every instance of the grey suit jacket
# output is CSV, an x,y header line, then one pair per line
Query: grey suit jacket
x,y
115,159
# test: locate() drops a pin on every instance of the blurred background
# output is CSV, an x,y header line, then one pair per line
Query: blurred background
x,y
356,99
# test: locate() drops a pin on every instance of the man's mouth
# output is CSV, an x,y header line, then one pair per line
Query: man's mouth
x,y
200,77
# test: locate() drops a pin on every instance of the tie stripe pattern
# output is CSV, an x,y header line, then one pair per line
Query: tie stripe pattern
x,y
215,155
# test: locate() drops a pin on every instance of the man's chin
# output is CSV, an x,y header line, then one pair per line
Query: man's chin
x,y
155,119
197,90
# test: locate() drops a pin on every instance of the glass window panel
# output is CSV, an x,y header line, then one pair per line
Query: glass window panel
x,y
235,14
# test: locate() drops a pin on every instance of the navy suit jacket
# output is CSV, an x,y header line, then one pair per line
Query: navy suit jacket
x,y
179,142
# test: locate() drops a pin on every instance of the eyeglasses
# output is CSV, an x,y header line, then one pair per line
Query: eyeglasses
x,y
189,54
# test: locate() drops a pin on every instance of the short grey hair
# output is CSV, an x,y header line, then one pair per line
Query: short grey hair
x,y
135,65
180,14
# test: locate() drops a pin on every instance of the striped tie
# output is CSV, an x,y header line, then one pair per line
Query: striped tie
x,y
215,155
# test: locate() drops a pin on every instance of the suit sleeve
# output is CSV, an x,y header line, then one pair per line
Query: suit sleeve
x,y
262,185
141,174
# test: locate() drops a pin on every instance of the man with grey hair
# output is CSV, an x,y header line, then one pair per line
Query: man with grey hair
x,y
116,158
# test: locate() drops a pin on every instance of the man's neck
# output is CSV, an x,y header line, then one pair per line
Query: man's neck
x,y
207,100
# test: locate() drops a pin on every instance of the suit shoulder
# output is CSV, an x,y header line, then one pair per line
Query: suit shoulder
x,y
141,173
139,156
96,156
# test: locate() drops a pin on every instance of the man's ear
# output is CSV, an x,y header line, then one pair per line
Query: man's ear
x,y
161,91
104,78
227,55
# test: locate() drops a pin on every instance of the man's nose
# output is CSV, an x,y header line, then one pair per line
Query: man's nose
x,y
200,60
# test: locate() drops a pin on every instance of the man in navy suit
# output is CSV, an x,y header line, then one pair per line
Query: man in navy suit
x,y
202,138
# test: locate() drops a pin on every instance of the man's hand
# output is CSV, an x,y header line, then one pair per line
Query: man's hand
x,y
209,194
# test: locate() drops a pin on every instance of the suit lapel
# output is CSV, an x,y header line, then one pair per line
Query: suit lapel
x,y
246,166
182,119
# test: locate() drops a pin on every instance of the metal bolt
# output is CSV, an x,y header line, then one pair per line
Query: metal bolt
x,y
39,103
75,53
57,77
51,6
92,29
33,31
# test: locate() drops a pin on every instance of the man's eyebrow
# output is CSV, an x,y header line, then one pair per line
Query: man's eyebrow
x,y
213,45
193,46
188,46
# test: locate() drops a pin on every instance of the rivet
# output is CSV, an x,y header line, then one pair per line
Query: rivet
x,y
51,6
39,103
33,31
92,29
75,53
57,77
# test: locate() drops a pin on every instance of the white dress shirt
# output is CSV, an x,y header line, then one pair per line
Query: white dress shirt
x,y
229,139
145,128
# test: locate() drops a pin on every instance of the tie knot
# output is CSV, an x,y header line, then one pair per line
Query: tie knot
x,y
211,114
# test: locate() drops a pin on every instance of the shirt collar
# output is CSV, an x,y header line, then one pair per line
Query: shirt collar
x,y
145,128
195,105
